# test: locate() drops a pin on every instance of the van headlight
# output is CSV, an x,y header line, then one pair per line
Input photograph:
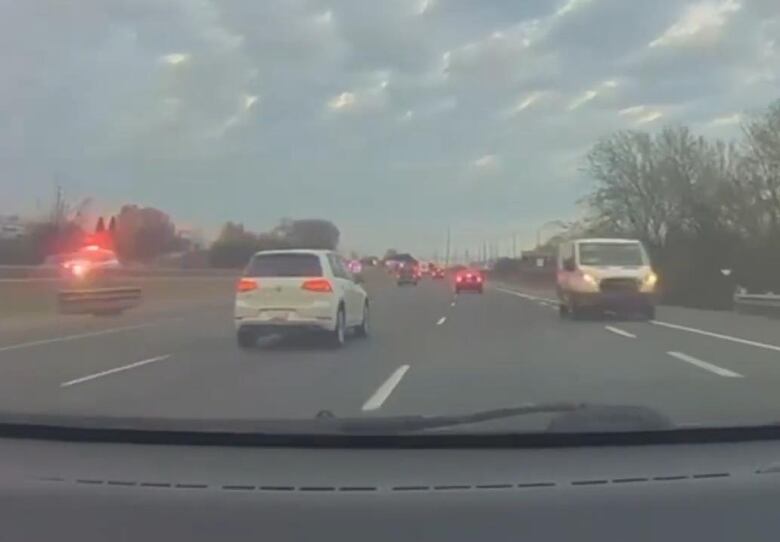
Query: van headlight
x,y
590,279
650,280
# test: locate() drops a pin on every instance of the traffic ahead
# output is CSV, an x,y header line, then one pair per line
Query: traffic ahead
x,y
429,352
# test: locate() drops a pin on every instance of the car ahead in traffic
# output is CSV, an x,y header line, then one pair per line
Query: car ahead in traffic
x,y
469,280
285,291
605,274
408,274
437,273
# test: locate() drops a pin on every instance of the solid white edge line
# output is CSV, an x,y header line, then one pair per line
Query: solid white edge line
x,y
717,335
720,371
441,320
66,338
112,371
618,331
383,392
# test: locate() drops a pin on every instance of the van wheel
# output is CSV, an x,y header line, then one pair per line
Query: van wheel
x,y
246,338
563,310
576,312
649,312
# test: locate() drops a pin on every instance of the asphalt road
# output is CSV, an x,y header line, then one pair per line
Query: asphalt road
x,y
430,352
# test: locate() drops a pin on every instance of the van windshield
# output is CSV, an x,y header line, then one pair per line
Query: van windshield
x,y
610,254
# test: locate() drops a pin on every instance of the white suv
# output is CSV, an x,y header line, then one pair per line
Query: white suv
x,y
299,290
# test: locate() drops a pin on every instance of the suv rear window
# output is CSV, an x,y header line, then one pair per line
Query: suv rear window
x,y
284,265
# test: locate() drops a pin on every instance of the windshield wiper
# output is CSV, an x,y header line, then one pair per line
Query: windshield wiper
x,y
571,418
408,424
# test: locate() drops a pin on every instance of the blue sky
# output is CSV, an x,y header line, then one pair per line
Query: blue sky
x,y
394,119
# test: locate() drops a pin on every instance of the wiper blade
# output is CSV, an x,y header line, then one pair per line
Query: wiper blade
x,y
408,424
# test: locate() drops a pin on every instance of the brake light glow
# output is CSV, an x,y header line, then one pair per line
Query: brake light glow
x,y
317,285
246,285
459,278
479,279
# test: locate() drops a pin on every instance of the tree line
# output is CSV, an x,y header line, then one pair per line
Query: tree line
x,y
708,210
236,245
138,234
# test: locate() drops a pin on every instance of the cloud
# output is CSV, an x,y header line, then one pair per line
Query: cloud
x,y
486,162
175,58
345,100
570,6
649,117
727,120
295,107
633,110
525,102
587,96
701,22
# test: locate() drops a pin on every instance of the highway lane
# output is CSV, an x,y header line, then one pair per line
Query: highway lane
x,y
430,352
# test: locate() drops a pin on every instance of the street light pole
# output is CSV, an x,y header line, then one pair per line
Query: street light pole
x,y
447,255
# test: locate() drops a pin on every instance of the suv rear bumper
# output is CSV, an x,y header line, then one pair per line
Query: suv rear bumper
x,y
322,319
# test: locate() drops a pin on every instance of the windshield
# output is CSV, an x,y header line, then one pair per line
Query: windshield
x,y
408,213
598,254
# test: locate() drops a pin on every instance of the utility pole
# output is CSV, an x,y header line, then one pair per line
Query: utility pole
x,y
514,246
447,253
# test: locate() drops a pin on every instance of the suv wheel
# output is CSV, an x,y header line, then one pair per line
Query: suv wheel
x,y
338,335
362,329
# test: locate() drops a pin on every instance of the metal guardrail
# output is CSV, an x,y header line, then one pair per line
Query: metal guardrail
x,y
98,301
53,272
768,303
759,300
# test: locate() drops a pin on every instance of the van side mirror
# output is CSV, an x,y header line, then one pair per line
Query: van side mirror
x,y
568,265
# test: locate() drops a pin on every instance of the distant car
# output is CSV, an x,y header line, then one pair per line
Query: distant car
x,y
284,291
470,280
437,273
408,274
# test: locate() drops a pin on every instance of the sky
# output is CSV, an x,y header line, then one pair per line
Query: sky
x,y
394,119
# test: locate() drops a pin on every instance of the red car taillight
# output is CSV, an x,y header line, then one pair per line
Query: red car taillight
x,y
459,278
246,285
317,285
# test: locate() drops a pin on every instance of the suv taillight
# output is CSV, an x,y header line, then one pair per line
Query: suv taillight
x,y
317,285
246,285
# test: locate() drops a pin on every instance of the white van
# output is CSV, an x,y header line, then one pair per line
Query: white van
x,y
605,274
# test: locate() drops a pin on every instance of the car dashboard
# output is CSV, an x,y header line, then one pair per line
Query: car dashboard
x,y
97,492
